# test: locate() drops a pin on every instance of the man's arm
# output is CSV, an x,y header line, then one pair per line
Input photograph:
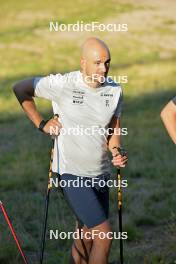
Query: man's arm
x,y
168,116
114,140
24,92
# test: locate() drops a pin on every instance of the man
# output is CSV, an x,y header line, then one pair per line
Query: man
x,y
168,116
86,99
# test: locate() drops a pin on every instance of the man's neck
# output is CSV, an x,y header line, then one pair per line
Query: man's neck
x,y
92,84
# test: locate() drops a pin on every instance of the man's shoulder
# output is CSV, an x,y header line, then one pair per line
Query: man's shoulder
x,y
71,76
174,100
63,77
67,79
111,84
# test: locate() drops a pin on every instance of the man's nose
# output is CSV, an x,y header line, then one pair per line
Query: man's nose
x,y
103,68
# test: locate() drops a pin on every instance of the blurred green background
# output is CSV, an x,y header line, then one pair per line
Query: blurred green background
x,y
146,54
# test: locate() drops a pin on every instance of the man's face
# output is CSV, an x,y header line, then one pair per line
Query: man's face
x,y
96,65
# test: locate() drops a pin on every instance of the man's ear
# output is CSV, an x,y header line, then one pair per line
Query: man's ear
x,y
82,63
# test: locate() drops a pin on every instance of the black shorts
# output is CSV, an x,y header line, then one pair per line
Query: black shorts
x,y
89,204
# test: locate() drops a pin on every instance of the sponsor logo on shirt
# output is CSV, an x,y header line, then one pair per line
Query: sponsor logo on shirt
x,y
107,97
107,103
106,94
78,97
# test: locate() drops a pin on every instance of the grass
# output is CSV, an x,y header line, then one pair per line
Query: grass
x,y
146,54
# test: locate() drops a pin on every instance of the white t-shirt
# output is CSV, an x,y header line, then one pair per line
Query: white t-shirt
x,y
85,112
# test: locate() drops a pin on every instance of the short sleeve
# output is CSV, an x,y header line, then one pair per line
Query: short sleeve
x,y
119,104
49,87
174,100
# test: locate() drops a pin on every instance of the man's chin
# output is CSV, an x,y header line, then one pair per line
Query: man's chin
x,y
101,79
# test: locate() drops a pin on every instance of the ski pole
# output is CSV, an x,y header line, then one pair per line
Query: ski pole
x,y
13,232
42,246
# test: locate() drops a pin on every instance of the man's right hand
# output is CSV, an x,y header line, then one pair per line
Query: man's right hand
x,y
52,127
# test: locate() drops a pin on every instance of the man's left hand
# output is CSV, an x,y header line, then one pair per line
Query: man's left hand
x,y
119,160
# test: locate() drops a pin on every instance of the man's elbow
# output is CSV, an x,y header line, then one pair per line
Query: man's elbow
x,y
24,90
162,115
168,121
16,88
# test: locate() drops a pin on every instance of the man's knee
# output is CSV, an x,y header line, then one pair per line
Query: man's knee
x,y
87,237
102,236
84,234
103,227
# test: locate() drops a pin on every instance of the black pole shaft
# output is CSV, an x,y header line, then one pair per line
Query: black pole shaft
x,y
42,248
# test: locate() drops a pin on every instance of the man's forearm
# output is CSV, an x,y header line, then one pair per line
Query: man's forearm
x,y
114,142
115,139
31,111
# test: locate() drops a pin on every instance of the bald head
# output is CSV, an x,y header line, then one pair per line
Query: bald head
x,y
95,60
92,46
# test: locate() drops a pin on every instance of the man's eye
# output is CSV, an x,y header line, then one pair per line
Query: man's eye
x,y
97,63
